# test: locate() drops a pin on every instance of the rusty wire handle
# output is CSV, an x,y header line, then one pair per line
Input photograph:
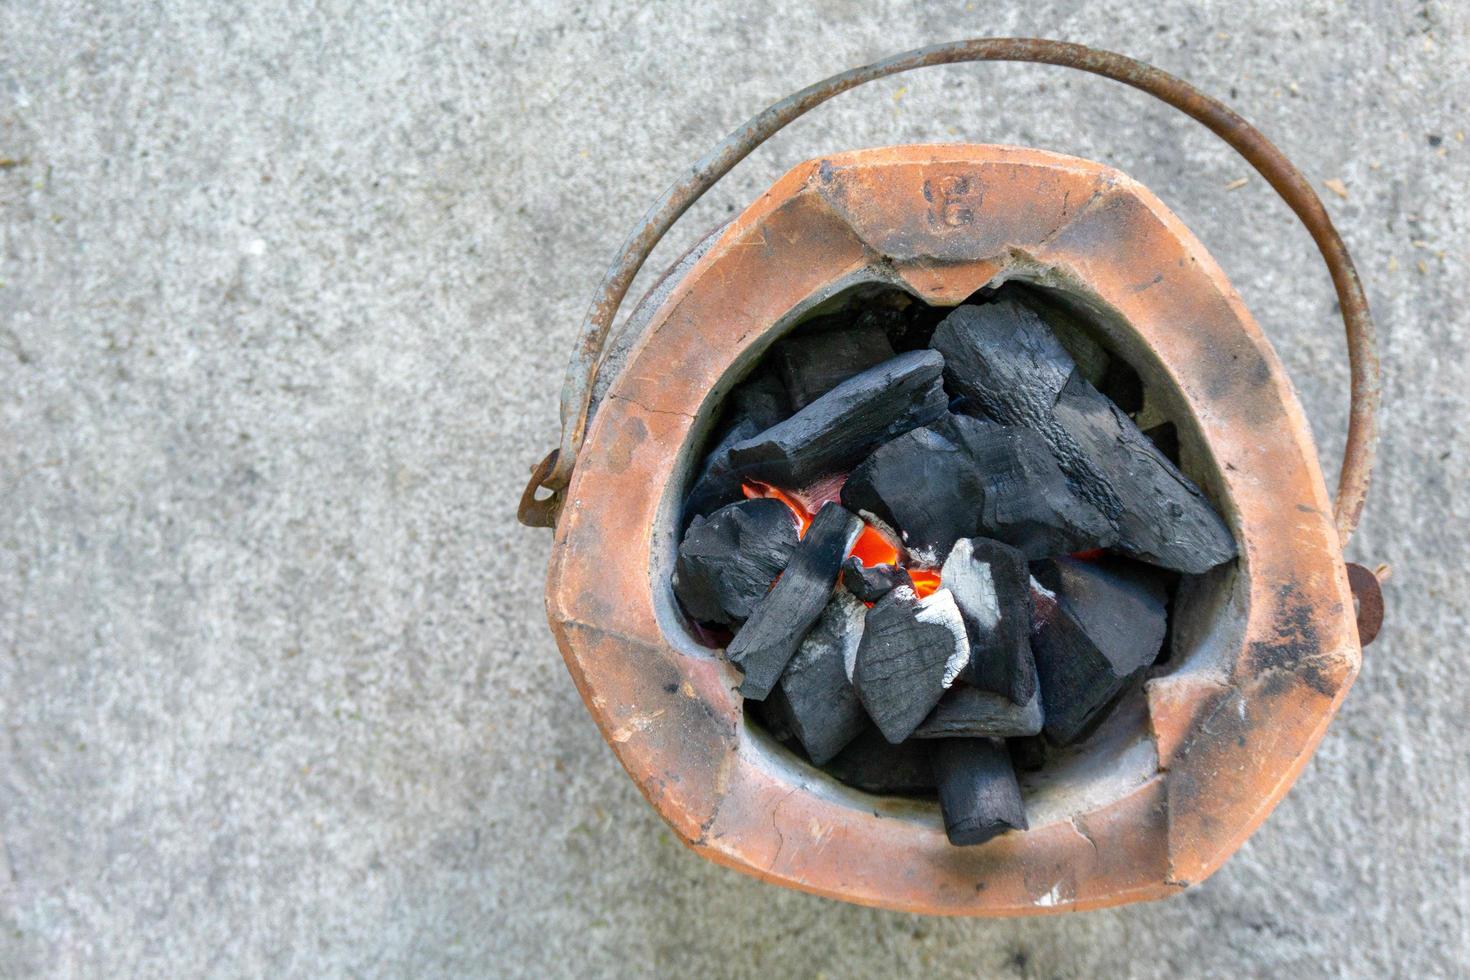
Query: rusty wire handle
x,y
554,472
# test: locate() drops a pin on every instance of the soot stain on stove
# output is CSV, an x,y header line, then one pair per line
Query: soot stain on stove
x,y
982,445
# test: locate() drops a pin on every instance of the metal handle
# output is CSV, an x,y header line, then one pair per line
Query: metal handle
x,y
554,472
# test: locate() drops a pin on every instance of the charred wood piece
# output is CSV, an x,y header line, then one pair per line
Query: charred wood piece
x,y
844,425
728,561
912,651
814,698
978,792
1097,625
780,620
873,583
992,589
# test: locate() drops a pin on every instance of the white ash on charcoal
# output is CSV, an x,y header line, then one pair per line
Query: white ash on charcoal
x,y
912,651
727,561
1002,357
812,362
844,425
978,793
968,712
1097,626
991,585
815,700
780,620
871,583
872,764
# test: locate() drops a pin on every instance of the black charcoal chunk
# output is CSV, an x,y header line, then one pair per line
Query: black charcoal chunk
x,y
911,653
1026,501
1096,627
978,792
968,712
761,398
840,428
718,484
728,561
811,363
815,699
770,637
992,588
923,486
870,763
1162,517
1002,358
872,583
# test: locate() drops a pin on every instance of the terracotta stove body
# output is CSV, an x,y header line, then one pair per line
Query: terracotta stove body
x,y
1264,649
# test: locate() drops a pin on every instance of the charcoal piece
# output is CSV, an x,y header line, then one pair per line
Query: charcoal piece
x,y
870,763
1097,625
978,792
924,487
761,398
992,589
780,620
718,484
841,427
811,363
814,698
1028,752
873,583
1163,518
911,652
968,712
728,561
1003,359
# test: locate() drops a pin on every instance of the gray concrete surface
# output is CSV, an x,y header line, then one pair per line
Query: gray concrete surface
x,y
285,292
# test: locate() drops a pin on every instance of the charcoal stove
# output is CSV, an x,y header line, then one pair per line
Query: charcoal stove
x,y
1264,649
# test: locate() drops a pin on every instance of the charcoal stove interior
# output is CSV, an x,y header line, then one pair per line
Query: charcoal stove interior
x,y
1117,753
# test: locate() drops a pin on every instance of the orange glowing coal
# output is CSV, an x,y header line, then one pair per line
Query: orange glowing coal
x,y
871,548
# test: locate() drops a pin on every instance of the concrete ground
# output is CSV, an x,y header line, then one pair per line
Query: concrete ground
x,y
285,295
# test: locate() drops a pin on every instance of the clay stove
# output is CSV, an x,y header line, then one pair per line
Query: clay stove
x,y
1264,648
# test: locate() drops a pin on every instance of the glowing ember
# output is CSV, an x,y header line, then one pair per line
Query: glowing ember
x,y
871,548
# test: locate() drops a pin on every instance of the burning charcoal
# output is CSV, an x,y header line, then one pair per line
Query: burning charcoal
x,y
992,588
910,654
1026,501
968,712
978,792
762,399
1163,517
872,584
1097,625
718,484
779,621
814,698
812,363
841,427
728,561
1003,358
924,487
871,764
